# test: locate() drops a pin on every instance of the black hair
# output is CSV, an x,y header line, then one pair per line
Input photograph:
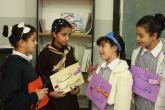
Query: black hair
x,y
59,24
17,33
111,42
152,24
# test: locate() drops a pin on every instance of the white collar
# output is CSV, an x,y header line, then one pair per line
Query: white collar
x,y
112,65
155,51
28,58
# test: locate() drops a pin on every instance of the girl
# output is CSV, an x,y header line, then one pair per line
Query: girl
x,y
115,71
18,72
150,54
54,57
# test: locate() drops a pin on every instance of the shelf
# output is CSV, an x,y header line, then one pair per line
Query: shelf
x,y
6,47
81,35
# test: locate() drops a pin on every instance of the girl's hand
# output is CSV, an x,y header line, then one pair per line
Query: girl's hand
x,y
75,91
57,94
153,81
92,68
41,93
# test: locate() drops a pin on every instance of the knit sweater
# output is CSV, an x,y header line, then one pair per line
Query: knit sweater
x,y
16,74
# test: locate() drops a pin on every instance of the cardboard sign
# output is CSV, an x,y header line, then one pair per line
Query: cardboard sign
x,y
98,91
146,83
67,78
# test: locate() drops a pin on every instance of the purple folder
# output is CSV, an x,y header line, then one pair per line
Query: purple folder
x,y
141,84
97,91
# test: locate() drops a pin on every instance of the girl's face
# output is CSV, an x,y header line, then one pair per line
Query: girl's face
x,y
144,39
106,51
30,44
62,37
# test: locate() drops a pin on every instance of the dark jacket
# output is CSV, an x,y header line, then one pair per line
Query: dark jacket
x,y
16,74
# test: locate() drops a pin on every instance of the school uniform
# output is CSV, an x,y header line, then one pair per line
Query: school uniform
x,y
51,60
152,61
159,104
118,75
17,73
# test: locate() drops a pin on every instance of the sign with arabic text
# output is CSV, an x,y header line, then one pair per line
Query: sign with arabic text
x,y
98,91
146,83
67,78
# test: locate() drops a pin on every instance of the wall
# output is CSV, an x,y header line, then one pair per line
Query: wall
x,y
18,8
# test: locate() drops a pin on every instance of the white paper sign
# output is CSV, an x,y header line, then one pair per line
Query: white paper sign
x,y
67,78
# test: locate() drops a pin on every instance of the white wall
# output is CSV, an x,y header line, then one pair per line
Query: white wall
x,y
18,8
104,10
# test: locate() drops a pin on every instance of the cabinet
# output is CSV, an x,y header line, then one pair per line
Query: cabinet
x,y
49,10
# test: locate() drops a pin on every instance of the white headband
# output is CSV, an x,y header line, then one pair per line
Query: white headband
x,y
25,29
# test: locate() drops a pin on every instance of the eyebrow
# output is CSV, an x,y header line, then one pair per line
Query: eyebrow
x,y
102,43
65,32
139,34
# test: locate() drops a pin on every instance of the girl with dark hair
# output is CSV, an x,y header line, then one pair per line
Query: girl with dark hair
x,y
115,71
18,72
54,57
150,55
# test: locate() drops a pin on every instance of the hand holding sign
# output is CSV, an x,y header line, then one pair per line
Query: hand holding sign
x,y
75,90
56,94
153,81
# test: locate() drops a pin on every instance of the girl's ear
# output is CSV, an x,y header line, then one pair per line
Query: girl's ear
x,y
114,48
21,43
155,35
54,34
